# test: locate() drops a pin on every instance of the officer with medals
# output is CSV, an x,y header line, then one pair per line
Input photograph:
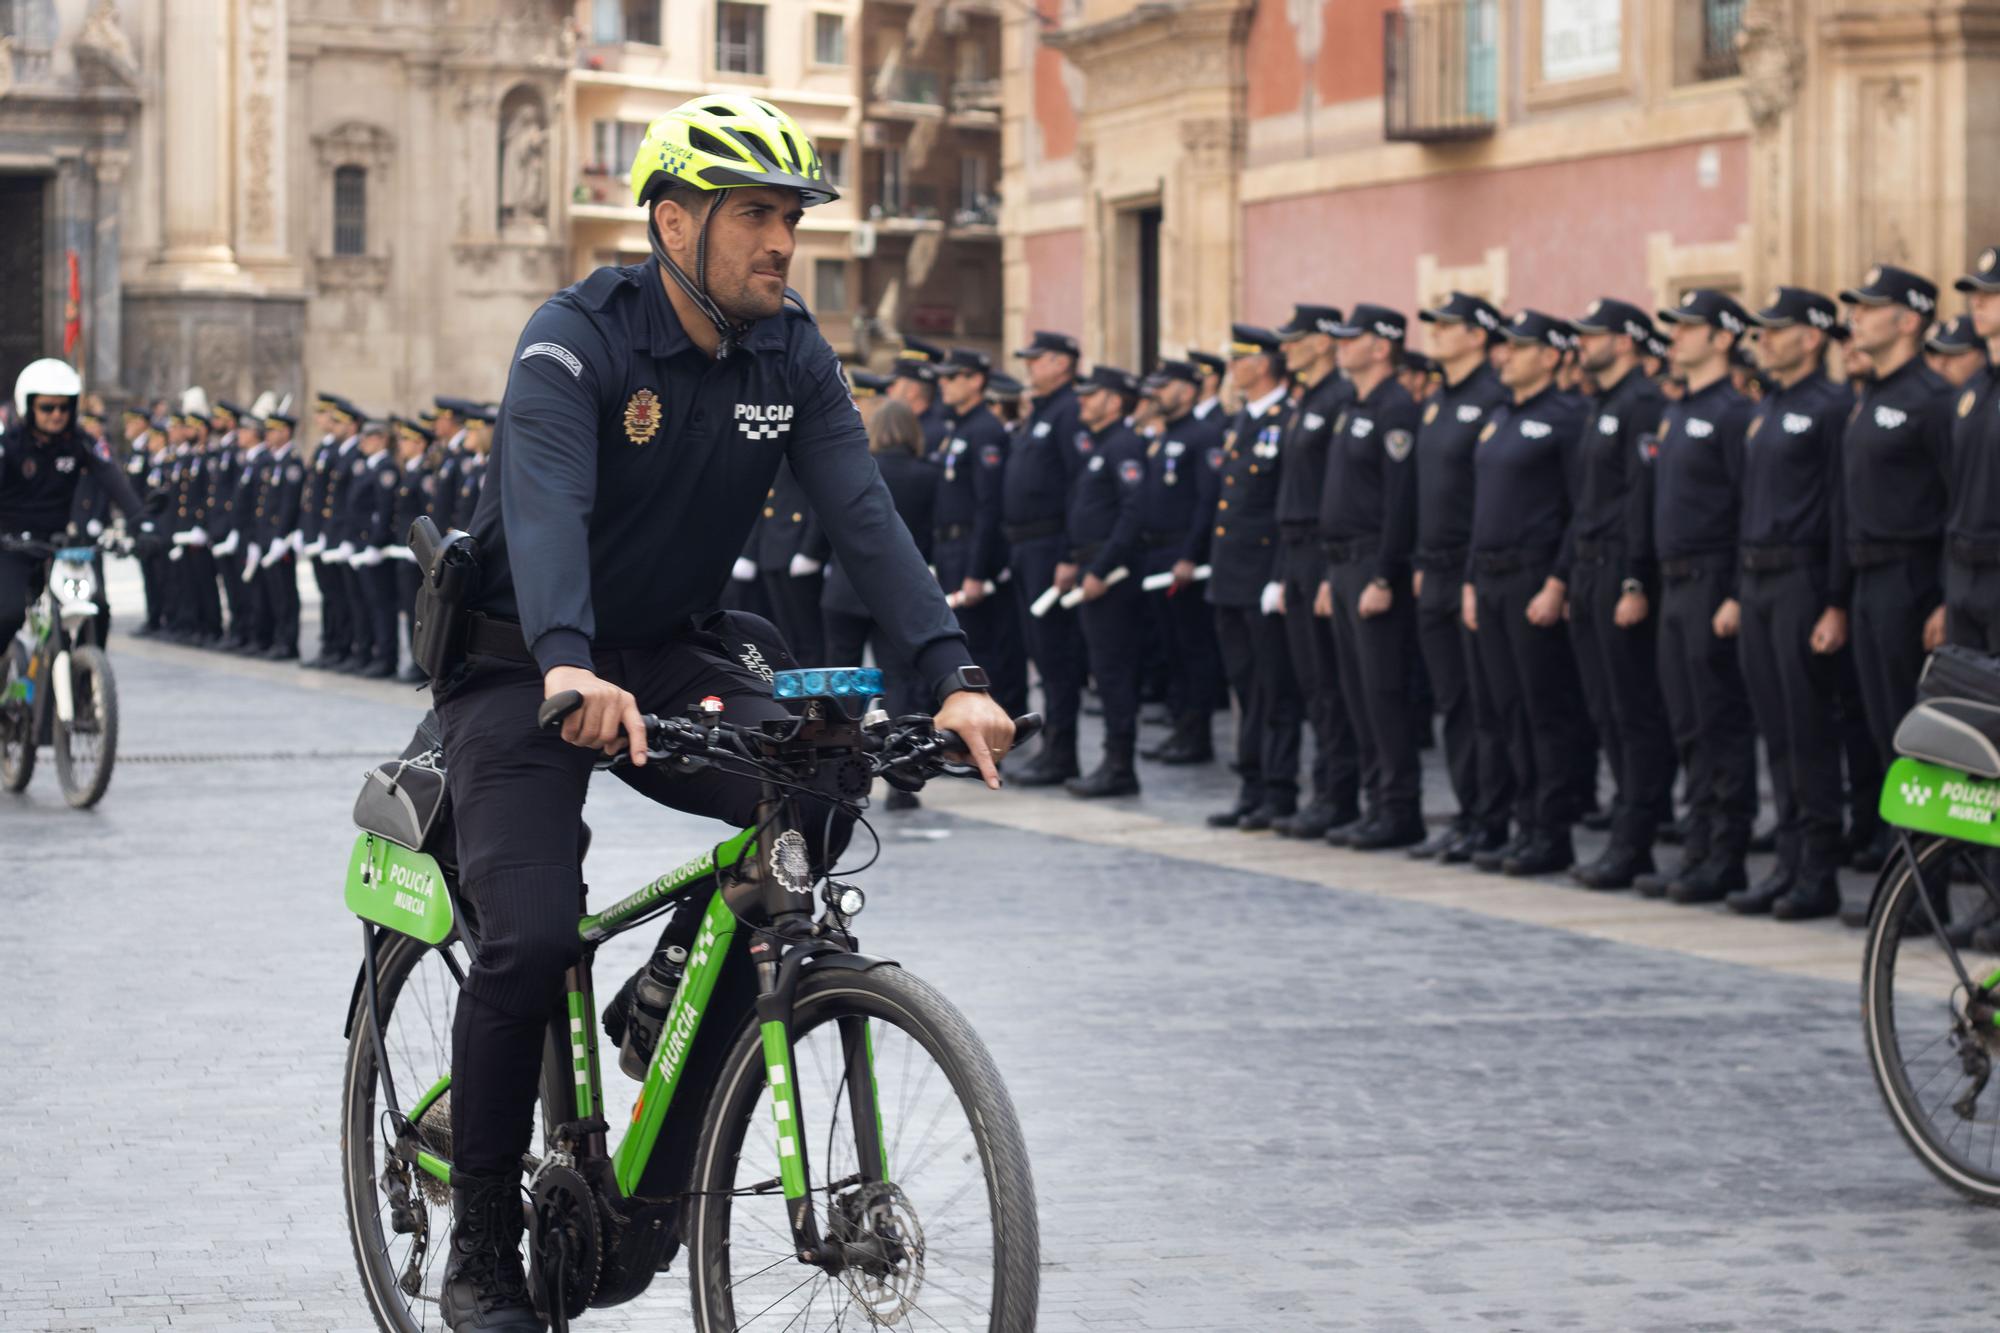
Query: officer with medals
x,y
1449,425
348,532
280,508
1524,468
1697,466
479,419
967,548
1894,502
142,443
1208,394
1791,626
250,626
197,559
1322,395
1103,523
448,429
333,465
914,383
371,511
1177,515
1611,585
1035,491
1368,524
224,477
1245,592
416,494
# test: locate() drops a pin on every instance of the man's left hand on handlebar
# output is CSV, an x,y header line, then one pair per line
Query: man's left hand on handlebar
x,y
983,725
608,718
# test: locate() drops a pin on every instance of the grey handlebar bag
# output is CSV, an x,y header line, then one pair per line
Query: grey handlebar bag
x,y
403,799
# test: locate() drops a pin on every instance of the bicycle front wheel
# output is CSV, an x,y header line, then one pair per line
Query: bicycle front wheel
x,y
1933,1063
944,1237
17,721
87,745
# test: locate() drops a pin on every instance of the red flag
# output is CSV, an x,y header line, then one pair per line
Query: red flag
x,y
73,311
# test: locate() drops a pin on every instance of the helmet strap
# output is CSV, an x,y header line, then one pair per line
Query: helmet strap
x,y
728,334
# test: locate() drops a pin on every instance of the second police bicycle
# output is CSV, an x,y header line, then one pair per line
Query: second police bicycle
x,y
56,686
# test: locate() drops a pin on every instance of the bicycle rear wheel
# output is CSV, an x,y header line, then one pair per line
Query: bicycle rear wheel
x,y
399,1218
17,721
87,745
952,1229
1933,1063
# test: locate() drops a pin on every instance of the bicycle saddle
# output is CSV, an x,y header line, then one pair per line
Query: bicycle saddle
x,y
1954,733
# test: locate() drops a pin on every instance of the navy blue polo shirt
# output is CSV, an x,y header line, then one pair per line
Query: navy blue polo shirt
x,y
628,467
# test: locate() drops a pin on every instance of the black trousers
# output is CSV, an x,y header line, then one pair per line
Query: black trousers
x,y
22,578
202,587
1475,756
1972,606
253,616
1633,731
795,609
1185,633
1374,683
1055,641
408,576
156,598
1258,664
280,585
1889,605
517,796
1792,691
849,636
1337,776
993,637
335,632
1114,632
229,573
1710,710
377,585
1538,710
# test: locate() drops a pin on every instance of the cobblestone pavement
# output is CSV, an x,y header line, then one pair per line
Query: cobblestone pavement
x,y
1264,1087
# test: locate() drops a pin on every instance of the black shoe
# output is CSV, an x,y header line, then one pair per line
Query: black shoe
x,y
1710,882
1113,777
1054,764
1344,834
1810,899
1961,930
1764,841
485,1284
1597,821
1616,869
413,675
1385,834
1854,915
1189,749
1757,899
1440,842
1870,856
1310,820
281,652
379,669
1265,816
1673,833
1493,859
1543,854
898,799
1472,844
1234,815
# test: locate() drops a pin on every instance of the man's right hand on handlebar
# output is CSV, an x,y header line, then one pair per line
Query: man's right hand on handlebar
x,y
608,719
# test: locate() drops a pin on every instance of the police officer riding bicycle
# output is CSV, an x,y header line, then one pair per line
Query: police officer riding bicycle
x,y
647,410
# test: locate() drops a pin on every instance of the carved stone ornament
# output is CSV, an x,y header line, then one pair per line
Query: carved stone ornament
x,y
354,143
1772,60
103,52
333,273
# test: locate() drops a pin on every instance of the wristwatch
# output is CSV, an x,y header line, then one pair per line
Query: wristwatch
x,y
1381,583
965,678
1632,588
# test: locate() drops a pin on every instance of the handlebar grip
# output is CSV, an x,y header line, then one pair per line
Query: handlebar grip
x,y
555,709
1026,727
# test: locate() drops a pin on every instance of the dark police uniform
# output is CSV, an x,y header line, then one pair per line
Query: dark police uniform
x,y
352,504
1524,468
1104,522
1791,479
281,508
1256,658
626,472
252,626
1449,426
1035,492
339,611
141,474
1368,524
1335,800
225,476
1972,530
416,495
1610,552
38,489
1890,526
1176,519
374,517
968,544
1697,466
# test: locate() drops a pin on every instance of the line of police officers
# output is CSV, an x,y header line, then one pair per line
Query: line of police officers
x,y
244,505
1619,535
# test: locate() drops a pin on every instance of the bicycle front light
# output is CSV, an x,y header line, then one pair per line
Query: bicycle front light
x,y
827,683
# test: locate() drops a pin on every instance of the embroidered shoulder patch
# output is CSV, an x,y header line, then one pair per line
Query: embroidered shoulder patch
x,y
555,352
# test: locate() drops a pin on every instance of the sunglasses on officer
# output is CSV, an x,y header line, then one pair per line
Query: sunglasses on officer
x,y
56,406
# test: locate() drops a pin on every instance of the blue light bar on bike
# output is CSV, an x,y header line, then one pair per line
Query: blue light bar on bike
x,y
76,553
827,683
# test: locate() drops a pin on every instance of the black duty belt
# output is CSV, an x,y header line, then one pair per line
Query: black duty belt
x,y
1299,534
1965,551
1600,552
1360,548
489,637
1693,566
1496,563
1771,559
1028,532
1084,554
1867,555
951,532
1440,561
1163,537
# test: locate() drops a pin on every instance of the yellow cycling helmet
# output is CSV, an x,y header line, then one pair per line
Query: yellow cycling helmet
x,y
724,141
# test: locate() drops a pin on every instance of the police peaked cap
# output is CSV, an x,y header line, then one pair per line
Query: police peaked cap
x,y
1045,341
966,359
1112,378
1379,320
1787,306
1705,305
1985,275
1532,326
917,349
909,368
461,408
401,424
1167,371
867,384
1954,337
1888,285
1464,308
1208,362
1418,361
1251,340
1001,385
281,417
1608,315
236,411
1311,319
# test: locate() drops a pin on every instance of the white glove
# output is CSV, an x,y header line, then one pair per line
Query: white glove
x,y
294,539
804,566
94,528
182,539
250,564
343,553
744,570
227,546
1273,592
313,550
368,557
275,554
251,553
174,554
400,553
197,536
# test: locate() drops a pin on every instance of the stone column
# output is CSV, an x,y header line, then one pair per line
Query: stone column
x,y
1773,61
103,294
261,177
197,49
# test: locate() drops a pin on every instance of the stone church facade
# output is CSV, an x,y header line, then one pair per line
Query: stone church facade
x,y
365,196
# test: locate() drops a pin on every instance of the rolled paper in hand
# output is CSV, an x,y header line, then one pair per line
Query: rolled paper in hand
x,y
1165,579
1040,606
1074,597
955,599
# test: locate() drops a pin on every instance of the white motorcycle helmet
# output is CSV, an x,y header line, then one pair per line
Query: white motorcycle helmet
x,y
50,377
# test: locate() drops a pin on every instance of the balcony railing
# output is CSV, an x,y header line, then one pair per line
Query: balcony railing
x,y
915,87
979,95
1720,21
1439,71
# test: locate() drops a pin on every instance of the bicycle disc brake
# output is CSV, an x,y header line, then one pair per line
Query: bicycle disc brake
x,y
566,1247
882,1249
